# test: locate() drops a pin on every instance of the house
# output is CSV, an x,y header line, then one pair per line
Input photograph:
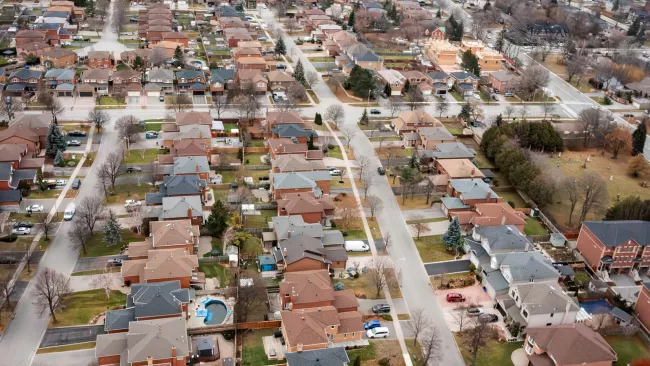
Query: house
x,y
178,37
567,345
28,130
190,165
95,81
430,137
411,120
221,80
30,36
490,214
535,305
279,82
393,78
281,146
36,49
316,328
195,133
504,81
301,252
335,356
286,226
181,185
295,163
160,266
182,207
312,209
171,234
23,81
439,81
313,289
252,79
465,83
191,81
362,56
274,118
235,35
10,178
193,118
458,168
250,63
441,52
163,341
642,308
127,78
295,132
615,246
190,147
316,182
471,45
101,60
489,60
471,191
147,301
130,56
160,82
167,48
447,150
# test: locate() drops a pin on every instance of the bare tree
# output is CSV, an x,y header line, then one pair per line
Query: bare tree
x,y
89,210
101,9
367,180
50,102
414,98
362,162
119,16
45,224
128,129
431,346
103,179
509,111
292,25
7,289
98,117
220,104
346,213
379,271
374,204
420,226
158,57
50,290
394,106
593,192
420,323
572,189
79,235
477,338
388,240
9,106
136,220
246,105
442,107
178,103
547,109
593,122
532,80
460,317
336,114
105,281
111,166
249,299
312,78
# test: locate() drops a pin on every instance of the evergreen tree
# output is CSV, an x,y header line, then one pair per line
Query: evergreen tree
x,y
310,143
452,238
498,120
498,45
351,20
633,30
638,139
465,112
90,8
299,73
487,6
364,118
414,162
179,57
217,222
470,63
54,141
407,86
318,119
240,154
112,230
239,7
58,158
280,47
360,81
388,90
459,32
640,37
439,14
138,63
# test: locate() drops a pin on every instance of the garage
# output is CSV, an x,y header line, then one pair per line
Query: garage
x,y
134,94
86,90
65,90
153,94
199,92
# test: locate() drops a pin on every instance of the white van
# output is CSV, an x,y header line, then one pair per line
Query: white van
x,y
69,211
379,332
356,246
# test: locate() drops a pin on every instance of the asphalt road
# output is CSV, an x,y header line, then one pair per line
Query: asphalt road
x,y
94,263
447,267
70,335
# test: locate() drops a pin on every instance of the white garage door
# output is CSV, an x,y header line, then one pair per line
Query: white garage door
x,y
153,93
134,94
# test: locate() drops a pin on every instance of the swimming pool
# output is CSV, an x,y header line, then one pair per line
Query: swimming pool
x,y
596,307
217,312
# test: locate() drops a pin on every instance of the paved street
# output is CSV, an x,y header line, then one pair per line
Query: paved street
x,y
438,268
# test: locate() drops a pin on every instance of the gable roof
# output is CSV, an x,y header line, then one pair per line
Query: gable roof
x,y
183,184
174,232
307,287
293,180
298,247
307,326
189,74
501,213
299,203
127,74
562,341
449,150
295,162
177,207
462,75
11,152
614,233
24,74
60,74
472,188
286,145
157,298
99,74
320,357
435,133
460,168
191,164
545,298
285,226
292,130
222,75
504,237
164,74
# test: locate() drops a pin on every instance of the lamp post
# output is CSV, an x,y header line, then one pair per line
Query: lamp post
x,y
369,90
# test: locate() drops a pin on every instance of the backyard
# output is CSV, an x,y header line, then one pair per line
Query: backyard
x,y
82,306
253,349
260,221
432,249
628,348
493,353
218,271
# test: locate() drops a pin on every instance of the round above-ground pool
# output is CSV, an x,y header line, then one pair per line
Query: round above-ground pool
x,y
217,312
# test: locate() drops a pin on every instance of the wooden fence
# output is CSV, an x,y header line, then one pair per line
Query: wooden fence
x,y
239,326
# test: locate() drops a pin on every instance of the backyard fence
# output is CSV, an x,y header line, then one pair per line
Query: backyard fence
x,y
266,206
258,167
215,259
239,326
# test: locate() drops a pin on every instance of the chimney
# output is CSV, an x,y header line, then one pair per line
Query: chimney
x,y
189,212
197,168
149,360
173,351
472,173
294,296
503,218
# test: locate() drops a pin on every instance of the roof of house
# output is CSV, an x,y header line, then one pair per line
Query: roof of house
x,y
191,164
60,74
462,75
453,203
562,341
20,131
190,147
222,75
527,266
127,74
100,55
418,116
96,74
10,152
292,130
438,75
22,174
504,238
30,34
503,75
276,117
286,145
392,76
345,299
545,298
472,188
501,213
10,196
5,170
285,226
191,118
177,207
293,180
307,326
307,287
620,314
296,162
160,74
173,232
449,150
435,134
614,233
176,185
320,357
361,53
27,163
157,298
34,46
459,168
189,74
279,76
300,203
24,74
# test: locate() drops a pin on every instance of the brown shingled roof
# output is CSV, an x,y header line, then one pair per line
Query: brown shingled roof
x,y
572,344
307,326
307,286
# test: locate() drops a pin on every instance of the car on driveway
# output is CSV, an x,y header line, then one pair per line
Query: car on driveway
x,y
22,231
132,203
151,135
381,308
23,224
76,184
381,171
380,332
508,95
114,262
375,111
132,169
455,297
488,318
76,133
34,208
371,324
262,38
474,311
334,171
73,143
61,182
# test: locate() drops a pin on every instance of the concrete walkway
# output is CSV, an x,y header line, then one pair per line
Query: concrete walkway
x,y
432,228
432,212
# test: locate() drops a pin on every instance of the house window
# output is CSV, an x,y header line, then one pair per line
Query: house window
x,y
286,295
529,349
531,341
548,324
331,327
552,314
345,336
525,313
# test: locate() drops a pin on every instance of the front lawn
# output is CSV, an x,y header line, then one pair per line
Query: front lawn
x,y
335,153
534,227
96,247
364,288
493,353
125,192
457,96
82,306
253,349
628,348
108,101
136,157
432,249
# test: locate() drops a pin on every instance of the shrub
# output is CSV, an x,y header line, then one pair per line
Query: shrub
x,y
384,362
512,204
356,275
9,238
345,233
247,162
339,286
331,146
472,267
72,163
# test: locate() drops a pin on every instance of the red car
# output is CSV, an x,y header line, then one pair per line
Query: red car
x,y
455,297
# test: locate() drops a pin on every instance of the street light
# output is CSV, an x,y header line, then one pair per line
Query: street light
x,y
369,97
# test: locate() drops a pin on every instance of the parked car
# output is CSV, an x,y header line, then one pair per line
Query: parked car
x,y
114,262
381,171
488,318
66,43
356,246
132,169
334,171
375,111
477,96
76,133
262,38
161,98
455,297
508,95
76,184
86,39
73,143
381,332
77,38
475,311
495,98
23,224
381,308
151,135
371,324
34,208
132,203
281,66
22,231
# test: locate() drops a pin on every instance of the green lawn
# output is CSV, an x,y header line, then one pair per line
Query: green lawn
x,y
260,221
628,348
534,227
454,129
253,159
96,247
253,246
216,270
82,306
257,143
456,96
432,249
494,353
253,349
365,353
48,193
153,126
483,161
230,126
321,59
514,197
108,101
129,191
135,157
335,153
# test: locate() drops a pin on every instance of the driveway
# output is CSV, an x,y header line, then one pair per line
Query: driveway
x,y
70,335
365,306
134,102
71,358
199,99
154,102
438,268
474,296
432,212
94,263
85,283
432,228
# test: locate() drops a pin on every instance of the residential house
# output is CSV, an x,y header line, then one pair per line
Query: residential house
x,y
438,34
465,83
251,45
193,118
471,191
167,48
285,227
101,60
411,120
642,308
567,345
178,37
458,169
440,82
10,178
95,81
26,134
430,137
190,165
231,22
447,150
182,185
160,266
190,147
160,82
129,56
191,81
414,77
182,207
23,81
489,60
221,80
615,246
281,146
274,118
62,81
441,52
252,78
471,45
393,78
235,35
360,55
295,132
196,133
489,214
316,182
279,82
312,209
159,341
335,356
316,328
303,253
171,234
313,289
36,49
295,163
504,81
251,63
14,154
30,36
225,11
147,301
124,79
